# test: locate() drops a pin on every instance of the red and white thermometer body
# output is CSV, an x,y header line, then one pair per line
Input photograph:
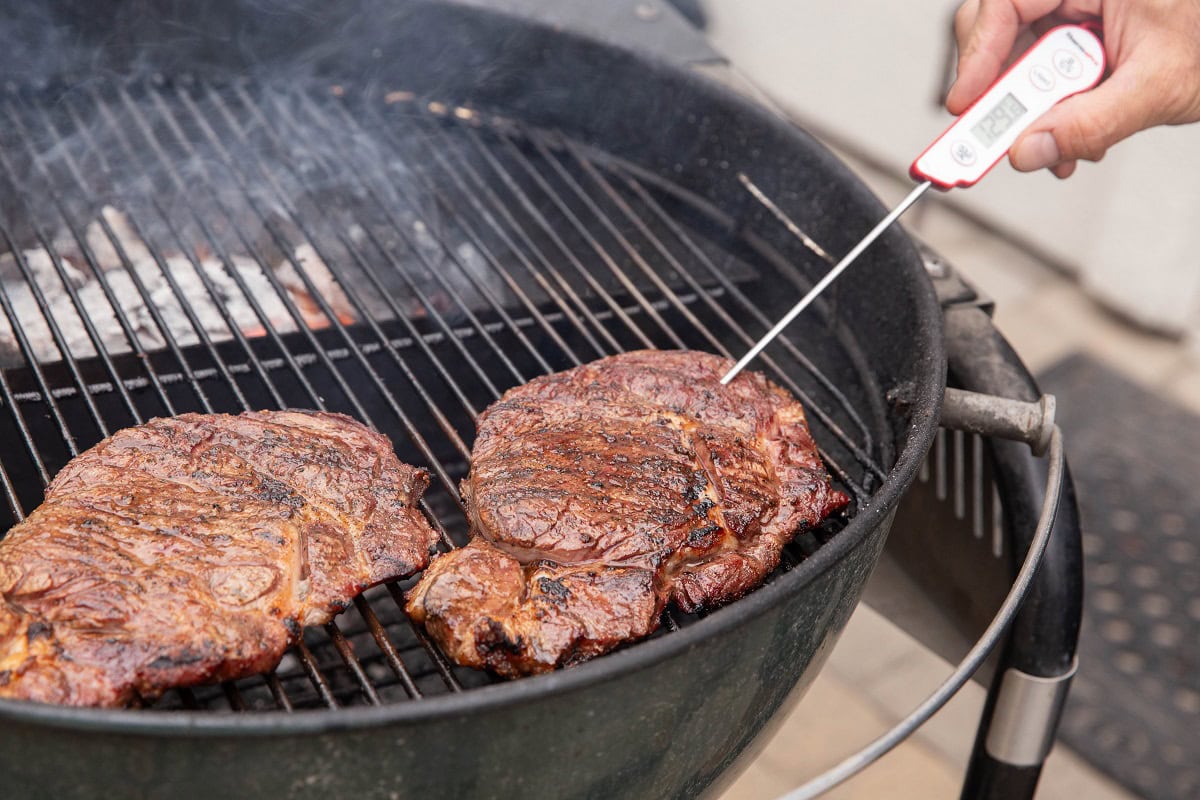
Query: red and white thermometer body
x,y
1067,60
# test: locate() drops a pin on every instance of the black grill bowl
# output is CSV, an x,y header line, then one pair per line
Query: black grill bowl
x,y
665,717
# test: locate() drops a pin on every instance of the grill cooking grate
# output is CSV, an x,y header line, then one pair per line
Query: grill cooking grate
x,y
177,246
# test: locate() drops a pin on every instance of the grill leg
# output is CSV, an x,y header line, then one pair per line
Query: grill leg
x,y
1034,672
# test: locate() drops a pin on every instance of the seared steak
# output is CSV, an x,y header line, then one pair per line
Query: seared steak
x,y
194,549
598,494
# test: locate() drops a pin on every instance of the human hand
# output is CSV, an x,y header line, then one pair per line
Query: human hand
x,y
1153,50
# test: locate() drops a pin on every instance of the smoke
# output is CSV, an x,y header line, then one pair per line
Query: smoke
x,y
251,142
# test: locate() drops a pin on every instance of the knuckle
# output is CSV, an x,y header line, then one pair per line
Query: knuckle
x,y
1179,97
1088,137
963,18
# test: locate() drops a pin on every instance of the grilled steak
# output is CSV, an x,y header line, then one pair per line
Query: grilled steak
x,y
599,494
194,549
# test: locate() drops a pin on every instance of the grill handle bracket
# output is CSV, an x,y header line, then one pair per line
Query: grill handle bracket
x,y
1000,417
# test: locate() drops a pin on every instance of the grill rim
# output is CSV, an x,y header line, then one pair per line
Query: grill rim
x,y
923,412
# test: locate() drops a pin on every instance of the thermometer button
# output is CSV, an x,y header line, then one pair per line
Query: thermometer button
x,y
1041,77
963,153
1068,64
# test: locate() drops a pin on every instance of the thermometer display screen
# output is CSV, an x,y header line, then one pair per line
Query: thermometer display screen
x,y
998,120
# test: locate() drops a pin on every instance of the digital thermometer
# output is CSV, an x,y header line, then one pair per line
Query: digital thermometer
x,y
1067,60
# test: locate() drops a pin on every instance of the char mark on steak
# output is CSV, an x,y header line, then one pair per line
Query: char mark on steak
x,y
599,494
194,549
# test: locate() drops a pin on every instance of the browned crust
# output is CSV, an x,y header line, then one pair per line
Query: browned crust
x,y
194,549
641,471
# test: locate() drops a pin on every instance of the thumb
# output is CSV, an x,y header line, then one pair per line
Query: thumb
x,y
1083,126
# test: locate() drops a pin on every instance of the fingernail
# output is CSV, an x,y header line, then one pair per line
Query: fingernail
x,y
1037,151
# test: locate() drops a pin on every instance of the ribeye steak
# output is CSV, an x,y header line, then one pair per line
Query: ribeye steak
x,y
195,548
599,494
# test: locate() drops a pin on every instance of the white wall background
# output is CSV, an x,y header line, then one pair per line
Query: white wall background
x,y
869,71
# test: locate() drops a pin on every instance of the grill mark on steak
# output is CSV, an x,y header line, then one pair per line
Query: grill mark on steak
x,y
192,549
599,494
302,547
709,506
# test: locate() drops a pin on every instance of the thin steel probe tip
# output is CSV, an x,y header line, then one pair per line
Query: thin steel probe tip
x,y
829,278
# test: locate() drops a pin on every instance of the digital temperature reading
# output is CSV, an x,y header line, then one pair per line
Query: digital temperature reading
x,y
998,120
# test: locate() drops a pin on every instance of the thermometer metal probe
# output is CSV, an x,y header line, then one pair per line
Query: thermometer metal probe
x,y
1065,61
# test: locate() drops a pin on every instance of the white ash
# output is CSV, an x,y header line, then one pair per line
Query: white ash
x,y
206,305
322,279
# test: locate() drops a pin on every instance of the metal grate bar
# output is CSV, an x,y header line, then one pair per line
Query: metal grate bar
x,y
408,238
642,265
369,269
531,210
309,663
213,242
977,485
385,645
565,210
166,219
278,693
10,492
151,305
346,285
27,351
188,698
861,454
451,210
440,662
346,651
22,429
323,119
233,696
498,206
960,490
118,312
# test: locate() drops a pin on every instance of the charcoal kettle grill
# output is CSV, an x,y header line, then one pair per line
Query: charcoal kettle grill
x,y
399,210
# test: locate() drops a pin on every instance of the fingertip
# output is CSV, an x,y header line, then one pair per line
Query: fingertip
x,y
955,103
972,81
1064,170
1033,151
